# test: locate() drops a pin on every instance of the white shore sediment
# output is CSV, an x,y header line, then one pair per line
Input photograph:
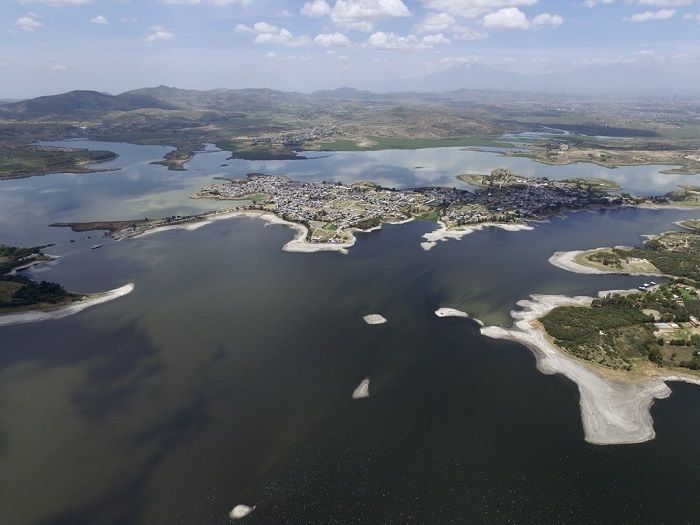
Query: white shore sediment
x,y
299,244
33,316
614,408
443,234
373,319
240,511
452,312
567,261
362,390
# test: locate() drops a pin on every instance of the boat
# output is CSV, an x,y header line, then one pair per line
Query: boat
x,y
94,247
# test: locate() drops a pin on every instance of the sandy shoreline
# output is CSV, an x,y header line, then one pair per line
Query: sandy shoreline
x,y
443,234
65,311
299,244
614,408
567,261
453,312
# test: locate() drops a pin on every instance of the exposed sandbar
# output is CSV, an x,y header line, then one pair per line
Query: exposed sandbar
x,y
240,511
452,312
33,316
373,319
614,408
362,390
443,234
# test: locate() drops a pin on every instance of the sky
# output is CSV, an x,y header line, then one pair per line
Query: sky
x,y
53,46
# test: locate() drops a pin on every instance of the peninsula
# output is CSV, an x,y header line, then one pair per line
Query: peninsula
x,y
622,346
326,215
23,300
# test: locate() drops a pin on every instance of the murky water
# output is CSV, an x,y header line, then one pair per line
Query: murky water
x,y
226,376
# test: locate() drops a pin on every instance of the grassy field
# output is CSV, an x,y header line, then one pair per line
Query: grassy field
x,y
29,161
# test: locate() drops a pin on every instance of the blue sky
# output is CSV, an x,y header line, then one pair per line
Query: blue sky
x,y
50,46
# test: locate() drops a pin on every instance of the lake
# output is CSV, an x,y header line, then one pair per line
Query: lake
x,y
226,376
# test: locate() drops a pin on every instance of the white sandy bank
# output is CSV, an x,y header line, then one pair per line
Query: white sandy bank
x,y
240,511
614,408
567,261
374,319
443,234
362,390
452,312
65,311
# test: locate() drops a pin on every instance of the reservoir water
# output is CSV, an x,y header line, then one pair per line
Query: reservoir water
x,y
226,376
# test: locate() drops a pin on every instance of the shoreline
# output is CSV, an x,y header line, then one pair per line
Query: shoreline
x,y
566,261
33,316
615,409
443,233
453,312
298,244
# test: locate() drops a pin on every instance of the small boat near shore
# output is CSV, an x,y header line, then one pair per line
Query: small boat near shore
x,y
95,246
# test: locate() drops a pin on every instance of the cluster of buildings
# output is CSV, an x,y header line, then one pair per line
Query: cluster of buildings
x,y
293,138
329,210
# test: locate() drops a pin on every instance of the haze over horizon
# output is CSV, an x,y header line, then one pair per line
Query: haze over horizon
x,y
586,46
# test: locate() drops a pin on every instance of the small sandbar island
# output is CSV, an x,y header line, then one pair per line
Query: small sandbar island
x,y
452,312
23,300
621,347
362,390
374,319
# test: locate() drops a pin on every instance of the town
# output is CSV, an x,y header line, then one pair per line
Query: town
x,y
330,211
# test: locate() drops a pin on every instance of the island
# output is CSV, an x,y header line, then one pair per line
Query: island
x,y
622,346
23,300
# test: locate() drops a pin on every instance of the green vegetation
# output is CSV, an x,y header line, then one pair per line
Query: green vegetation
x,y
19,162
382,143
611,333
368,223
17,291
621,331
432,215
30,293
674,253
692,224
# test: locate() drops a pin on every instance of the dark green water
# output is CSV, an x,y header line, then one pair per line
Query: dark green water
x,y
226,377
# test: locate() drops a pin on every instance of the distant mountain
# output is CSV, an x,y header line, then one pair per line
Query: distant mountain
x,y
219,99
346,93
594,80
78,104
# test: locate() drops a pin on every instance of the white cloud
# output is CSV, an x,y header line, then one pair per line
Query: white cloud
x,y
362,14
545,19
664,3
646,16
507,18
271,55
159,33
57,3
593,3
316,9
99,19
58,67
208,2
691,16
446,23
473,8
514,18
332,40
28,22
394,42
271,34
